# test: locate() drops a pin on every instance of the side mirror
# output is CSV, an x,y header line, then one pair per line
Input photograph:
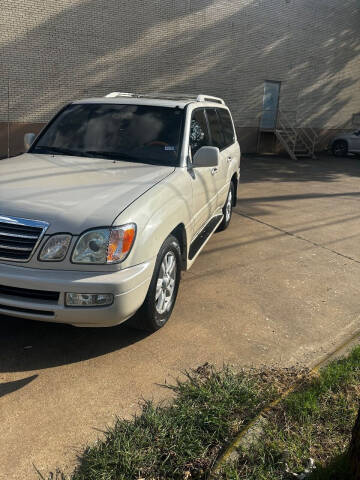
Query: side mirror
x,y
206,157
29,140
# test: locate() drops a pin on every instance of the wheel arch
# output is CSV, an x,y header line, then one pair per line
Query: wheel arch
x,y
179,232
340,139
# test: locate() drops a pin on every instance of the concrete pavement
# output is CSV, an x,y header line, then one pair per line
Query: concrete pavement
x,y
281,285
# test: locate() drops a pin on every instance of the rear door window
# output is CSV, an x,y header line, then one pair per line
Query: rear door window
x,y
215,128
227,127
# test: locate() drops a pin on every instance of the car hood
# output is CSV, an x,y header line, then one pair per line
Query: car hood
x,y
73,194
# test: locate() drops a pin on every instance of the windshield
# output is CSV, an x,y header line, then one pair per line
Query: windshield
x,y
120,132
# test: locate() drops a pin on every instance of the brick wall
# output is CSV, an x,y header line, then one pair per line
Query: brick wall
x,y
58,50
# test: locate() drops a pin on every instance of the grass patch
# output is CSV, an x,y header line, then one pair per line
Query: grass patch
x,y
312,422
181,439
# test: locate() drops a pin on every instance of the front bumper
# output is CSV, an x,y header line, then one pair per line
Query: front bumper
x,y
24,292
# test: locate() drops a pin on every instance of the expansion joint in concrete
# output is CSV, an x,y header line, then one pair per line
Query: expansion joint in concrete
x,y
295,235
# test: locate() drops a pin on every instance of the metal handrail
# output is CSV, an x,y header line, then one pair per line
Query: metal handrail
x,y
308,138
283,120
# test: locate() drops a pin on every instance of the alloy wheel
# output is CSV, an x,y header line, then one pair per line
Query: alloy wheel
x,y
165,285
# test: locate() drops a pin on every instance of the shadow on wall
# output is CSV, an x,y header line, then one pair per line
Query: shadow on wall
x,y
220,47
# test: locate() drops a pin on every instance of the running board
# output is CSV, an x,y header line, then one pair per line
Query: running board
x,y
203,236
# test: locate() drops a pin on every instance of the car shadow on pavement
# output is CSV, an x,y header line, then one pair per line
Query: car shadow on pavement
x,y
27,345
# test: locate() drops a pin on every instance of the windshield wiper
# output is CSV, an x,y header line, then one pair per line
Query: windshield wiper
x,y
118,156
84,153
112,155
60,151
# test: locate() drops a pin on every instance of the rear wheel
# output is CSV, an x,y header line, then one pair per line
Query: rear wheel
x,y
340,148
227,209
160,299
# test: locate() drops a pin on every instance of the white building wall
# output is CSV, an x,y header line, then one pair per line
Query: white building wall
x,y
57,50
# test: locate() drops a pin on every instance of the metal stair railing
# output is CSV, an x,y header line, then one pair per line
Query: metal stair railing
x,y
296,140
309,138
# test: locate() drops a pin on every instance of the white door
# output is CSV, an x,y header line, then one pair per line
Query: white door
x,y
223,137
203,179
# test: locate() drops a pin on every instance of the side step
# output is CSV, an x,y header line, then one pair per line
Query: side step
x,y
205,233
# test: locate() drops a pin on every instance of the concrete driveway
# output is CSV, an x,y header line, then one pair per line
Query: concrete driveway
x,y
280,285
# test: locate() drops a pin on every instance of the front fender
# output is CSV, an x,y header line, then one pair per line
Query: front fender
x,y
156,214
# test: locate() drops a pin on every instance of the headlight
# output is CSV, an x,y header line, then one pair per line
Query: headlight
x,y
105,245
55,248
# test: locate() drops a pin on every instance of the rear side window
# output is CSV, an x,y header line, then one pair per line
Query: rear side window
x,y
215,128
199,133
227,127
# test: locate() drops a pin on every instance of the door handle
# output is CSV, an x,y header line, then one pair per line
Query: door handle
x,y
214,170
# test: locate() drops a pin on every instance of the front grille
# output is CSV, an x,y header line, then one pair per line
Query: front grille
x,y
28,293
19,237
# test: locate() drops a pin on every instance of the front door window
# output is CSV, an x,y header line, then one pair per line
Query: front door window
x,y
199,133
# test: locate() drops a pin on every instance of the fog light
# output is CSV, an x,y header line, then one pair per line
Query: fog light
x,y
88,299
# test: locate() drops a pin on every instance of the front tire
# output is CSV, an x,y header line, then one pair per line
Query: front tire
x,y
227,209
160,299
340,148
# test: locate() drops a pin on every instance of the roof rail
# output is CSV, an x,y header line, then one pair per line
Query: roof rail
x,y
119,94
209,98
168,96
171,96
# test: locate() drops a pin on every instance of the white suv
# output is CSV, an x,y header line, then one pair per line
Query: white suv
x,y
112,200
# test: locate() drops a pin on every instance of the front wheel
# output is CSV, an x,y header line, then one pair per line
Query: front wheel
x,y
163,289
227,209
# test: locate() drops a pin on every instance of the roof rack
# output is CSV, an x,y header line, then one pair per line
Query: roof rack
x,y
169,96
